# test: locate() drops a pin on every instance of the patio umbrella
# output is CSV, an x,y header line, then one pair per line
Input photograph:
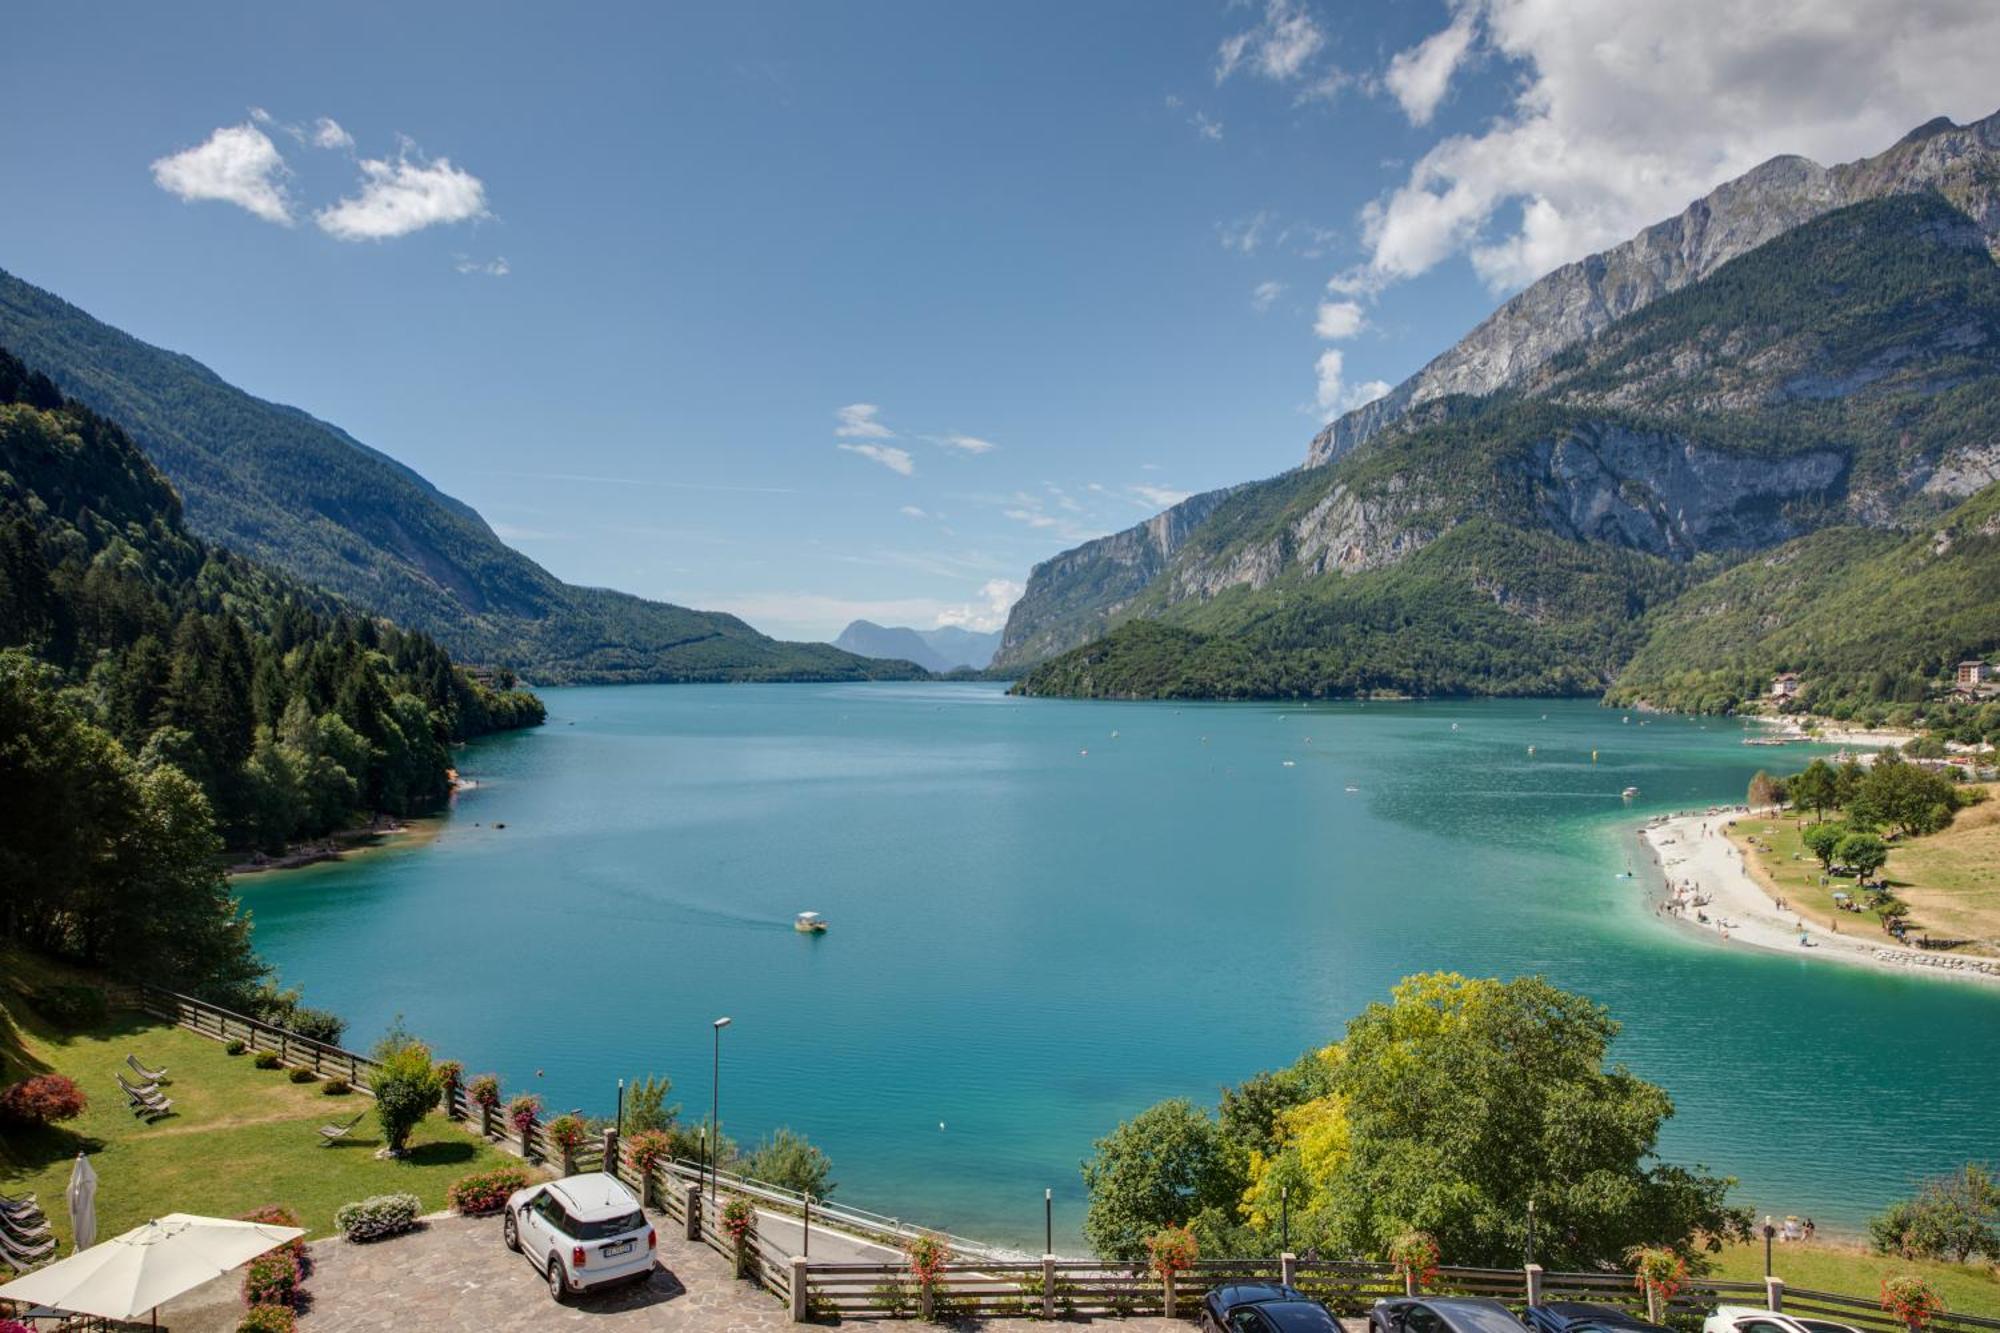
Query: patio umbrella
x,y
147,1266
82,1196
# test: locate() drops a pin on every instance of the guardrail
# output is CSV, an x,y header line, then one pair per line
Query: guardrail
x,y
212,1020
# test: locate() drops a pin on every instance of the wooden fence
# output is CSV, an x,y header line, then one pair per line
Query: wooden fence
x,y
986,1282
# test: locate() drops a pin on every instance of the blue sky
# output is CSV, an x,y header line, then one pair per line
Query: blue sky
x,y
815,311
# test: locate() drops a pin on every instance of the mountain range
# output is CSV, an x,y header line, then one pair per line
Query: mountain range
x,y
1805,351
946,648
301,495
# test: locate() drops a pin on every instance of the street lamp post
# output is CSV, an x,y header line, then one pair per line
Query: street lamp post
x,y
1531,1231
715,1109
1769,1232
1048,1221
619,1122
1285,1219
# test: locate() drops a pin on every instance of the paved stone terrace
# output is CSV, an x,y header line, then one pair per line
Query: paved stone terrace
x,y
456,1277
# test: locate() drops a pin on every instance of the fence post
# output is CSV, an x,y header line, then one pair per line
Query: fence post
x,y
1168,1284
1534,1272
1288,1268
1652,1304
611,1163
1048,1286
1410,1284
691,1198
927,1300
801,1277
1774,1294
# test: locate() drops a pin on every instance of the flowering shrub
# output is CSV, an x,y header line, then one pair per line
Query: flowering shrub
x,y
452,1074
9,1326
1414,1255
927,1255
382,1215
485,1192
739,1223
567,1132
484,1091
523,1112
272,1279
1911,1299
258,1319
1171,1251
277,1215
43,1100
650,1147
268,1060
1659,1273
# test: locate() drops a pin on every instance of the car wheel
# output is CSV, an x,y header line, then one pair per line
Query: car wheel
x,y
558,1288
510,1232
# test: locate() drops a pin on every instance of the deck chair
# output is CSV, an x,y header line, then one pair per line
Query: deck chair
x,y
145,1102
153,1076
141,1090
332,1134
25,1204
25,1230
21,1256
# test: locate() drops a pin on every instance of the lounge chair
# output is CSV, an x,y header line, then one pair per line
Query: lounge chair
x,y
23,1255
153,1076
334,1133
143,1091
25,1204
145,1102
24,1230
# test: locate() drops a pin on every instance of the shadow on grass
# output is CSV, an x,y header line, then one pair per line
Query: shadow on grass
x,y
441,1154
28,1150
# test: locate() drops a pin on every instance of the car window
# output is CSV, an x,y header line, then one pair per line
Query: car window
x,y
552,1213
1822,1326
1420,1319
1482,1319
609,1226
1246,1320
1760,1326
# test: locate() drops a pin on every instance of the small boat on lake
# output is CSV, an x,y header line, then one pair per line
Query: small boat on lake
x,y
809,923
1629,793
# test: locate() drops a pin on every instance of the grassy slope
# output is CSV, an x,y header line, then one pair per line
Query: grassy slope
x,y
1851,1270
240,1137
301,495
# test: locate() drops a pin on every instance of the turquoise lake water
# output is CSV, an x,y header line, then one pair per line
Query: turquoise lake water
x,y
1030,943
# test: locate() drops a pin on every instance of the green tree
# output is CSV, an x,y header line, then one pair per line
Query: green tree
x,y
1466,1099
1765,790
646,1105
1822,840
406,1083
1952,1217
1816,789
788,1161
1862,853
1911,797
1164,1167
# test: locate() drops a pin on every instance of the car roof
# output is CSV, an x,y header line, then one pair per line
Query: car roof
x,y
1254,1293
1299,1316
1589,1312
593,1195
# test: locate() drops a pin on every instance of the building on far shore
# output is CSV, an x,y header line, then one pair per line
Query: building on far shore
x,y
1785,685
1973,673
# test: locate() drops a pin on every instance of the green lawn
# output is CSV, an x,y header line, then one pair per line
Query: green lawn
x,y
1851,1270
240,1136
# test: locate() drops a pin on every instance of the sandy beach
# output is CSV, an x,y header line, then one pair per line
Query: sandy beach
x,y
1696,857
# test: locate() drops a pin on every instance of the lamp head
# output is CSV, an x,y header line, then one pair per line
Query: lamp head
x,y
722,1022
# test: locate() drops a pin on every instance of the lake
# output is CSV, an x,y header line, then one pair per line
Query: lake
x,y
1047,915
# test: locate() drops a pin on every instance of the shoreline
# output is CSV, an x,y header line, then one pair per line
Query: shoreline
x,y
1693,849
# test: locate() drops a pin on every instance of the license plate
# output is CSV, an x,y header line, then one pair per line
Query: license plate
x,y
622,1247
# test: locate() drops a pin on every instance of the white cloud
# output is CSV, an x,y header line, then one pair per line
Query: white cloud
x,y
1207,127
496,267
1159,497
402,196
1278,47
1420,76
858,422
327,133
1339,319
1335,395
1264,295
237,164
888,455
1626,112
913,512
989,612
966,444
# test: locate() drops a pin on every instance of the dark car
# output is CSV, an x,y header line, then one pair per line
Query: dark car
x,y
1442,1314
1263,1307
1583,1317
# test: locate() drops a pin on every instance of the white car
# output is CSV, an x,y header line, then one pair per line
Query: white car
x,y
1752,1319
581,1232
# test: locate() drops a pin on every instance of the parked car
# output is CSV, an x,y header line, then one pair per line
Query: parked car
x,y
1442,1314
1263,1307
580,1232
1755,1319
1584,1317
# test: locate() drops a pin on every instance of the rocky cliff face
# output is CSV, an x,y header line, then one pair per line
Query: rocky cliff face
x,y
1960,162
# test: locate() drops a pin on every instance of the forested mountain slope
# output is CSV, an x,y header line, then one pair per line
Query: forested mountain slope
x,y
1848,373
303,496
1078,594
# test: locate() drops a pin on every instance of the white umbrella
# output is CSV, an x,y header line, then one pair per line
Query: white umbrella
x,y
82,1196
147,1266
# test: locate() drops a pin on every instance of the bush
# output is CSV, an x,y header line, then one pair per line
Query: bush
x,y
43,1100
304,1076
318,1025
522,1113
272,1279
650,1148
268,1060
406,1086
485,1192
788,1161
1952,1217
277,1215
484,1091
71,1006
235,1046
268,1319
337,1087
383,1215
566,1133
